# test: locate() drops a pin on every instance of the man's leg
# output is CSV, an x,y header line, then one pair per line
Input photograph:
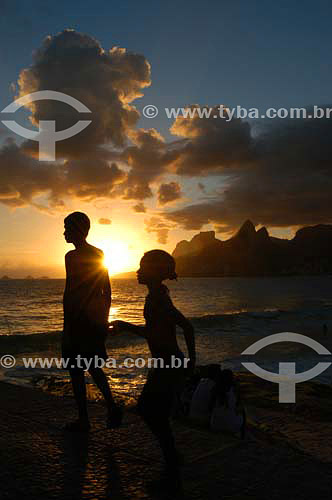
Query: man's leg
x,y
79,390
101,382
115,413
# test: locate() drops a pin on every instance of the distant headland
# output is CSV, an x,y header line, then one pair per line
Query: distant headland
x,y
256,253
5,277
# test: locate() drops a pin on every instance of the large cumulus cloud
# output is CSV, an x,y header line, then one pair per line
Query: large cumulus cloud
x,y
106,82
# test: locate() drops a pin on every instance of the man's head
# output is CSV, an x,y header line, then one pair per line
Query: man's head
x,y
77,225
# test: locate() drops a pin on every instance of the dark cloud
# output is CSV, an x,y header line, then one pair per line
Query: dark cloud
x,y
213,144
23,179
148,159
104,222
139,208
169,192
287,183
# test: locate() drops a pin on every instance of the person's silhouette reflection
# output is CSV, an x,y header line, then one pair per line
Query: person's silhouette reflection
x,y
74,460
87,474
86,301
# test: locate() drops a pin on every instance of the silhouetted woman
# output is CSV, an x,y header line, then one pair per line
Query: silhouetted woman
x,y
161,316
86,302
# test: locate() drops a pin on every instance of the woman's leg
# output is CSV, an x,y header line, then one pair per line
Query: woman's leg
x,y
155,408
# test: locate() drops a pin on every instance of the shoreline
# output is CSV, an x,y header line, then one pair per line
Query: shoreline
x,y
223,348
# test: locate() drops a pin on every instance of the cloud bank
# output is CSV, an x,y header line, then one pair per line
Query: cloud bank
x,y
281,177
286,182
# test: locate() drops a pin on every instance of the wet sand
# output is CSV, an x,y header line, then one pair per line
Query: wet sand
x,y
287,452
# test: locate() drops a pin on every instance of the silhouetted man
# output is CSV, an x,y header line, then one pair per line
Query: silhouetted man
x,y
86,301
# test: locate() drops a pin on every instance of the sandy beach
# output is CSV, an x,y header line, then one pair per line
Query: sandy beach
x,y
287,451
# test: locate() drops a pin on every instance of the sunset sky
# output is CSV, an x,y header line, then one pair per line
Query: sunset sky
x,y
149,183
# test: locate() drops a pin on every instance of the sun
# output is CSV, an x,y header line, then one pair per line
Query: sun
x,y
117,257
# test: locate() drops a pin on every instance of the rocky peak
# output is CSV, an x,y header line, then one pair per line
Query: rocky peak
x,y
196,245
313,232
202,240
182,248
263,234
247,230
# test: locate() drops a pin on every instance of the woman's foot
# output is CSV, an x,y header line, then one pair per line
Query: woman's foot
x,y
80,425
114,418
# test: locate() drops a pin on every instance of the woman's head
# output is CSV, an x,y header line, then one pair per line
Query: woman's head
x,y
156,266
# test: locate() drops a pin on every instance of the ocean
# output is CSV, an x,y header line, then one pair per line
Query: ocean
x,y
228,314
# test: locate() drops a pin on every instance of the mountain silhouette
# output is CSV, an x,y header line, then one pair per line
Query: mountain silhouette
x,y
256,253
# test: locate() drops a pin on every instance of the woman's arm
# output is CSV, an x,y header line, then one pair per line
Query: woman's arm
x,y
119,326
189,335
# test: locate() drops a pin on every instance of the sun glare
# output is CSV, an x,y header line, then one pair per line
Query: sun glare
x,y
118,257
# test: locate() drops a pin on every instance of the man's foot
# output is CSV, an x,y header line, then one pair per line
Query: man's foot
x,y
114,418
79,425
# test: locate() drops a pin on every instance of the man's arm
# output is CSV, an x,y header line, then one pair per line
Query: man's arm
x,y
67,295
107,291
68,267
